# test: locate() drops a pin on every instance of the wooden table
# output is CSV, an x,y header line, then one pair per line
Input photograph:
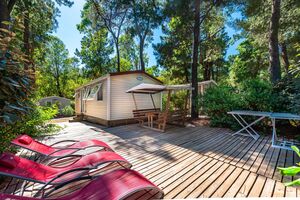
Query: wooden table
x,y
150,116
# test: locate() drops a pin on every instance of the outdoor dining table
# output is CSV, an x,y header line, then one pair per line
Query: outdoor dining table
x,y
248,127
151,116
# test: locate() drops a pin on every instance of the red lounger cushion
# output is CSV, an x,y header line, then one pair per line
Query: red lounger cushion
x,y
8,161
25,139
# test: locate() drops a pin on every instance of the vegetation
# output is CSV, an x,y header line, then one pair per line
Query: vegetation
x,y
67,111
16,81
253,94
292,171
33,124
25,27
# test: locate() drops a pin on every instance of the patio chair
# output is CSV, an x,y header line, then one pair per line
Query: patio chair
x,y
51,151
115,185
30,171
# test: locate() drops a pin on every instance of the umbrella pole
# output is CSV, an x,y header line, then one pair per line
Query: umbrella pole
x,y
134,101
167,111
153,101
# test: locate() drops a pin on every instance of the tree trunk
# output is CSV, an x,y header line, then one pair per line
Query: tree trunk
x,y
285,57
118,56
207,70
4,14
6,7
186,73
142,54
26,38
58,86
275,72
194,110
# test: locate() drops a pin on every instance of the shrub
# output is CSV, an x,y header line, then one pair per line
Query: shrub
x,y
288,92
217,101
67,111
257,95
252,94
34,124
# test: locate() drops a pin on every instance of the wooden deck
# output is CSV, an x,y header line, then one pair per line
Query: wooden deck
x,y
192,162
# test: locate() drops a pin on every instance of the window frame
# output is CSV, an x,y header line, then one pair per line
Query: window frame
x,y
90,92
97,94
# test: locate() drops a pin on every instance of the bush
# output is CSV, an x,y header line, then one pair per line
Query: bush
x,y
257,95
288,92
67,111
252,94
34,124
219,100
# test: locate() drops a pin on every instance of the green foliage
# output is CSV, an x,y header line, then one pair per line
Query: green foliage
x,y
174,51
288,93
67,111
153,70
292,171
34,124
252,94
249,63
95,51
145,16
58,74
219,100
16,83
257,94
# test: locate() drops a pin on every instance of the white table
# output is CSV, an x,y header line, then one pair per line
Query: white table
x,y
238,115
283,144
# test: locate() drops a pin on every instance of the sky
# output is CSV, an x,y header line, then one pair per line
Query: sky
x,y
71,37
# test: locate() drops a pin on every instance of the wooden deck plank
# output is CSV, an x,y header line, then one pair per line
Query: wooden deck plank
x,y
247,186
280,163
272,164
268,188
289,191
184,188
279,189
164,181
242,143
257,187
251,159
266,160
217,183
235,187
196,191
257,163
224,187
246,153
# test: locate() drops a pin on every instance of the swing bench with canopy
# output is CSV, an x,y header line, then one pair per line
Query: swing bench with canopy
x,y
161,117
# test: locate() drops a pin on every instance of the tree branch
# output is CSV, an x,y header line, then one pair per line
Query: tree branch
x,y
204,16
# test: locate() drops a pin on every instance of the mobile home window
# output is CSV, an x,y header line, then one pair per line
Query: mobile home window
x,y
92,92
77,95
86,93
100,93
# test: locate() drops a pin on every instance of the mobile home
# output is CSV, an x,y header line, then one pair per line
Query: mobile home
x,y
105,101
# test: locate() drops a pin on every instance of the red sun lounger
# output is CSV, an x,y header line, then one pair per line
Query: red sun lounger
x,y
28,170
115,185
29,143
